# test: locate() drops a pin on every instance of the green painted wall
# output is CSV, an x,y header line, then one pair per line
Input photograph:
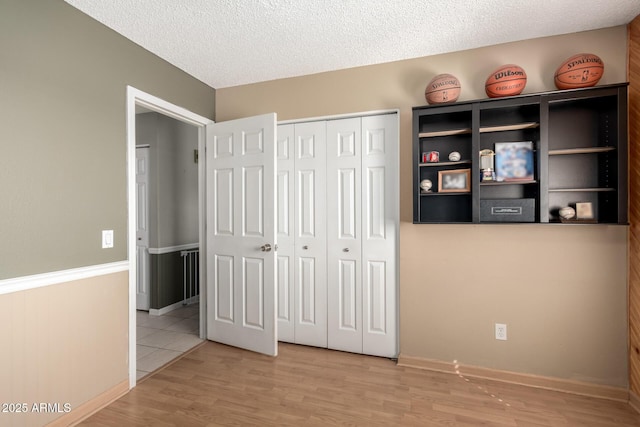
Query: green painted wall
x,y
63,175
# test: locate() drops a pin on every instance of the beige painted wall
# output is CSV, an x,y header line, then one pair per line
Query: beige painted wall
x,y
561,290
63,344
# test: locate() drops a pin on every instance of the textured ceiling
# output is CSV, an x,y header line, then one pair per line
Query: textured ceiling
x,y
233,42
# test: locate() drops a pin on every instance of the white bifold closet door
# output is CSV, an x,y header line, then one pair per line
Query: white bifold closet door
x,y
337,204
344,233
285,183
362,217
302,249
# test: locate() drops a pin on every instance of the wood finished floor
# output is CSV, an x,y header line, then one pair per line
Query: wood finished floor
x,y
219,385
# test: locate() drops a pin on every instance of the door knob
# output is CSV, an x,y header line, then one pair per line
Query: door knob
x,y
265,248
345,250
305,247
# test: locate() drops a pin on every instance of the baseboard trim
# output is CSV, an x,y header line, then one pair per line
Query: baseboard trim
x,y
89,408
547,383
634,401
174,306
25,283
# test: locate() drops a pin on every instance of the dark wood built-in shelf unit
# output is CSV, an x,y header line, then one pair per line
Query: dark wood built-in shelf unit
x,y
579,141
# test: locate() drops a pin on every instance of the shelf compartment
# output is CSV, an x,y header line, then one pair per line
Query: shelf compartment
x,y
583,171
511,190
605,208
439,208
445,145
583,150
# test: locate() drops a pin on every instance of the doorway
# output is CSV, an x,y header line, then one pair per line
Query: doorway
x,y
167,240
137,100
167,206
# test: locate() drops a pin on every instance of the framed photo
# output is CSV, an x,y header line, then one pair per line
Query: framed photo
x,y
584,210
430,157
514,161
454,181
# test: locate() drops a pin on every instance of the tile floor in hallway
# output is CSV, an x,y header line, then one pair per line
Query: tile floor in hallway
x,y
161,339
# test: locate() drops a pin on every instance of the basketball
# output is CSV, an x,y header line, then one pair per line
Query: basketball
x,y
582,70
442,89
507,80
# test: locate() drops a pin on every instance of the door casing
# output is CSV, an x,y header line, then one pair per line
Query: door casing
x,y
136,97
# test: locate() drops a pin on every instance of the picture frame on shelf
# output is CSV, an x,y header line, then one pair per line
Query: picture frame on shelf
x,y
514,161
430,157
454,181
584,210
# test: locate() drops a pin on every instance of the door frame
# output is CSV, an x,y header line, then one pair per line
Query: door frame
x,y
136,97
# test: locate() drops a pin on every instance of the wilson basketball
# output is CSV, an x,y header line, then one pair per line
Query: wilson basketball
x,y
507,80
442,89
582,70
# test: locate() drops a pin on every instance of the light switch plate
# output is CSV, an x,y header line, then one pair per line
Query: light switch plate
x,y
107,239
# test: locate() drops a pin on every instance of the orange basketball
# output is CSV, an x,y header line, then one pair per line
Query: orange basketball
x,y
507,80
582,70
442,89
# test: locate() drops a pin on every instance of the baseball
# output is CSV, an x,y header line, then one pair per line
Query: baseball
x,y
567,212
454,156
426,185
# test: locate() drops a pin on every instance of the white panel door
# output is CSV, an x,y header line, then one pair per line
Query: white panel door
x,y
310,275
285,231
143,294
240,230
380,217
344,238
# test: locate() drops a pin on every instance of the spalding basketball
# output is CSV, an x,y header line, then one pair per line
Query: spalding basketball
x,y
442,88
582,70
507,80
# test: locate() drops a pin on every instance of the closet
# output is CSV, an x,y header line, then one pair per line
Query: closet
x,y
337,228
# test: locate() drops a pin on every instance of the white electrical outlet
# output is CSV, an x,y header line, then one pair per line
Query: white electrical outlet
x,y
107,239
501,331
